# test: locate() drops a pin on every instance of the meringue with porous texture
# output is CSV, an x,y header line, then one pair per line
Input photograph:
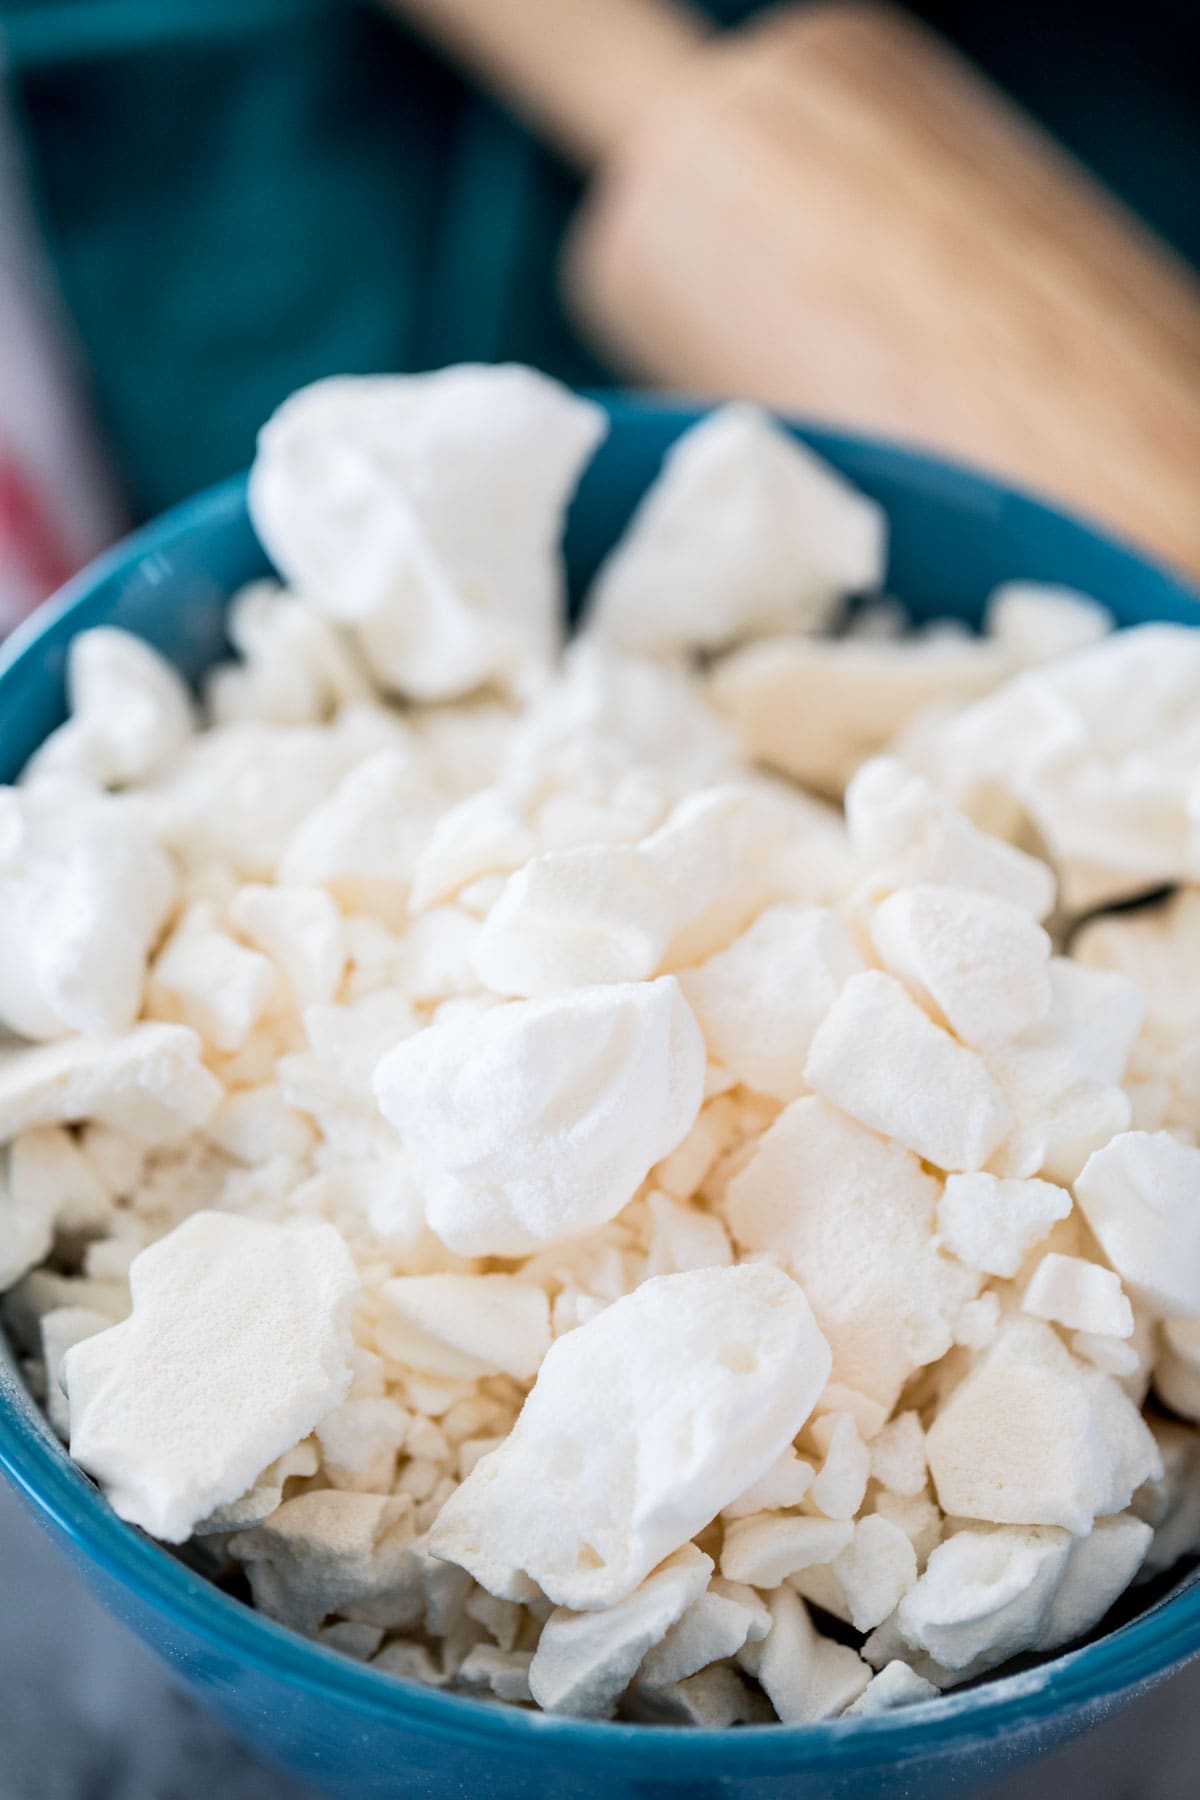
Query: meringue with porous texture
x,y
851,1215
1033,1436
240,1338
642,1425
1140,1194
423,511
537,1120
84,892
744,532
150,1084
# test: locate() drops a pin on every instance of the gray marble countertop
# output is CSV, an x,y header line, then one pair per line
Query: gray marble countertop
x,y
87,1714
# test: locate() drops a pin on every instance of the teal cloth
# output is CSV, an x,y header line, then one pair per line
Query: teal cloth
x,y
242,195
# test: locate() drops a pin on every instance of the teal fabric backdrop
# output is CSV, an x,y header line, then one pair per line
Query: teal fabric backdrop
x,y
241,195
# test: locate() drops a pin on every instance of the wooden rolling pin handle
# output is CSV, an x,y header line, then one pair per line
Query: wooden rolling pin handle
x,y
578,71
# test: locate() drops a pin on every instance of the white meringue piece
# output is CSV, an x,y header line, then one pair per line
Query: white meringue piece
x,y
895,1685
239,792
1080,1295
840,1483
149,1083
537,1120
573,918
992,1225
1099,1568
817,708
986,1594
945,1107
26,1225
851,1215
301,930
130,712
424,511
296,668
622,912
898,1460
1140,1194
1099,750
744,531
981,963
202,977
1156,948
760,1001
875,1570
1033,1436
905,832
362,843
1037,621
641,1426
765,1548
238,1344
785,1484
806,1676
584,1660
483,835
46,1184
1060,1076
84,892
715,1626
466,1325
607,710
328,1551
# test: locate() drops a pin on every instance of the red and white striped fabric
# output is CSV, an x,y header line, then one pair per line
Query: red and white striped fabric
x,y
58,506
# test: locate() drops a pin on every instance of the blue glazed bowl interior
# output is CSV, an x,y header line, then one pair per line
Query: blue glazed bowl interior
x,y
954,536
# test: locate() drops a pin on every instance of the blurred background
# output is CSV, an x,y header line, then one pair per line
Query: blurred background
x,y
204,205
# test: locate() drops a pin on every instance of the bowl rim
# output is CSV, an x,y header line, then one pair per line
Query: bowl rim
x,y
1163,1637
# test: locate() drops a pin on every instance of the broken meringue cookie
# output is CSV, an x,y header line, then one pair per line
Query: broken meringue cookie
x,y
744,532
641,1426
537,1120
851,1215
150,1084
85,890
424,511
130,713
237,1345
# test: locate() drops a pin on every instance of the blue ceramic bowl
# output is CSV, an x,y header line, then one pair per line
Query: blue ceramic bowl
x,y
353,1733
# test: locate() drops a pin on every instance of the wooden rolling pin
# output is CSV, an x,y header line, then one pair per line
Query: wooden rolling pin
x,y
829,210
